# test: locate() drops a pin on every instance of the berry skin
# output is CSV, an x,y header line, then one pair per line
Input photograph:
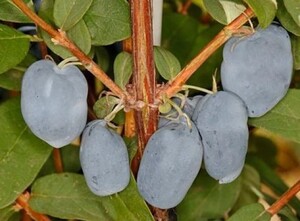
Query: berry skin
x,y
171,162
221,119
258,68
53,102
104,159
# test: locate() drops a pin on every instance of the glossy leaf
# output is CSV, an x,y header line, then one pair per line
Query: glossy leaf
x,y
284,118
166,63
68,12
293,8
10,12
252,212
224,11
208,199
265,10
286,19
22,155
123,68
296,51
108,21
14,46
67,196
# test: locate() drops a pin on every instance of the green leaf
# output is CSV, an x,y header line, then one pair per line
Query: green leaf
x,y
132,146
286,214
268,176
286,19
264,148
105,105
108,21
208,199
199,3
253,212
296,51
46,10
123,68
183,30
293,8
7,213
82,40
224,11
284,118
271,179
10,12
68,12
12,79
166,63
102,58
265,10
250,183
67,196
22,154
14,46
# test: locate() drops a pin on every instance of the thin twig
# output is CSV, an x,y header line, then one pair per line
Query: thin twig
x,y
22,202
175,85
61,38
284,199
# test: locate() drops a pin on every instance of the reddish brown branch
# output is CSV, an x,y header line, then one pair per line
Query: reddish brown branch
x,y
63,40
22,202
144,70
144,82
58,164
284,199
175,85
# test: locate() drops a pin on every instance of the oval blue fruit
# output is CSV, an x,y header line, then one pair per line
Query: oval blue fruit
x,y
104,159
171,162
221,119
53,102
258,68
